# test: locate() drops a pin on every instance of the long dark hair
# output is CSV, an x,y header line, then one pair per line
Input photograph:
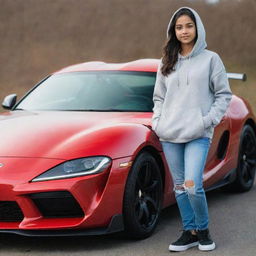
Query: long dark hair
x,y
172,45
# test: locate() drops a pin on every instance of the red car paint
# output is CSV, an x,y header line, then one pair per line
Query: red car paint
x,y
33,142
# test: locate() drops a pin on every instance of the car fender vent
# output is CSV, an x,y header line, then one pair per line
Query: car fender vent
x,y
223,145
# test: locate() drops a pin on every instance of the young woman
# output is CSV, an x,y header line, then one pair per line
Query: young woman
x,y
191,96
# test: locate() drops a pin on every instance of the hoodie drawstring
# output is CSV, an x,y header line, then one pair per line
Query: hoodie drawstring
x,y
178,70
188,65
186,70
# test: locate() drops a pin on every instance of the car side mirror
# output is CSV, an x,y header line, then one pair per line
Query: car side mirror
x,y
9,101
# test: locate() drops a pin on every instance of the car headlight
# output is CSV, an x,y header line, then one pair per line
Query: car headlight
x,y
75,168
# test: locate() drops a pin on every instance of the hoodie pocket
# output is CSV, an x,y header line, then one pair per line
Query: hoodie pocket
x,y
180,124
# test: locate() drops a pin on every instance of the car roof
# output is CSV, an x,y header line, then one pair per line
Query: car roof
x,y
147,65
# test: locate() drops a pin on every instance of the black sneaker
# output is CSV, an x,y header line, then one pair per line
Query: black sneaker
x,y
205,241
186,241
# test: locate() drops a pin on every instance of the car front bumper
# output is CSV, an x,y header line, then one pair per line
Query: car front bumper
x,y
83,205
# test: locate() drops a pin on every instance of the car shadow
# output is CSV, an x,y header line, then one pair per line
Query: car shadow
x,y
168,228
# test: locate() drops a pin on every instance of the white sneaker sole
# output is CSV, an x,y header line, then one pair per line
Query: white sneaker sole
x,y
177,248
209,247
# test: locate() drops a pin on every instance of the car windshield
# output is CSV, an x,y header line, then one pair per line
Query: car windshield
x,y
93,91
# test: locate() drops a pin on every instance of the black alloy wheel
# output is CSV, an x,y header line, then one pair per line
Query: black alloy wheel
x,y
246,167
143,197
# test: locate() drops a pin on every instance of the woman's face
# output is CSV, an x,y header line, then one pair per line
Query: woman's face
x,y
185,30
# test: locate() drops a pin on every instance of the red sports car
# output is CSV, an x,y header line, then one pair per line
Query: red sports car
x,y
78,155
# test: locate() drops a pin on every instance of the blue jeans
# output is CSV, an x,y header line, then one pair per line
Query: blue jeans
x,y
186,162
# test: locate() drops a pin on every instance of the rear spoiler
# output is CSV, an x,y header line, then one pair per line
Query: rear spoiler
x,y
237,76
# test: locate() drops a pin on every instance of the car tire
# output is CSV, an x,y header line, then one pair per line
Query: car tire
x,y
142,197
246,167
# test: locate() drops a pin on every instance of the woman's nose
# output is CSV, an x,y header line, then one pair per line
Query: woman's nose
x,y
184,31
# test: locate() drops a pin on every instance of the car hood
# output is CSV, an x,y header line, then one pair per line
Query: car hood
x,y
49,133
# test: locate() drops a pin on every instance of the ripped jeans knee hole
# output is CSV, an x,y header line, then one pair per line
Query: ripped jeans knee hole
x,y
187,187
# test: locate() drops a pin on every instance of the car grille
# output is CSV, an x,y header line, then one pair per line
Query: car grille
x,y
10,212
58,204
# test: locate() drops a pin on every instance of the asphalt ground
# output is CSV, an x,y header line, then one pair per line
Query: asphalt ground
x,y
233,228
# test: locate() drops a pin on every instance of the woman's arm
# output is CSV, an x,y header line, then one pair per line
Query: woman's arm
x,y
220,87
158,95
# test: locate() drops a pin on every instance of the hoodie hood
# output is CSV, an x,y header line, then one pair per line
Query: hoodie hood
x,y
184,62
200,42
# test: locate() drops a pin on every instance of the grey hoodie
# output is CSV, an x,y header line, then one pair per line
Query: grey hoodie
x,y
191,100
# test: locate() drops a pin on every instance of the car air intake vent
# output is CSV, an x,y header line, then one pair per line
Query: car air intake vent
x,y
58,204
223,145
10,212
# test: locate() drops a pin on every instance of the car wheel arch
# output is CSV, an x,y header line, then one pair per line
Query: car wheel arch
x,y
237,184
132,227
251,122
153,151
